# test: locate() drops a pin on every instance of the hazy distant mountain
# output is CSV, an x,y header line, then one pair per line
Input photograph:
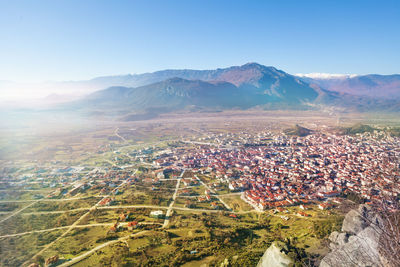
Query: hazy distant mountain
x,y
373,85
235,87
173,93
246,86
251,76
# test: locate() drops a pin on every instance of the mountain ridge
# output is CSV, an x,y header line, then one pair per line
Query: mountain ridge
x,y
241,87
251,85
371,85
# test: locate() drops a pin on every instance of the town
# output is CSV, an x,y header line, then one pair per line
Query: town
x,y
158,187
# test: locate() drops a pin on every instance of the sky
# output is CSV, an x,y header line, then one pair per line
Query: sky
x,y
82,39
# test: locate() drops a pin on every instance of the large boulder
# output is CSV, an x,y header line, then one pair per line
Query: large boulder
x,y
358,244
273,257
360,250
357,219
342,239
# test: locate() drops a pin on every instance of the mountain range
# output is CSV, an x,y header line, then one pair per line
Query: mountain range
x,y
372,85
239,87
248,86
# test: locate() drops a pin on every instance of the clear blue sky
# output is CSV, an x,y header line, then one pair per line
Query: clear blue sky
x,y
81,39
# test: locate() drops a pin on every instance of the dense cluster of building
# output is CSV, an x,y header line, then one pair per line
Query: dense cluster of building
x,y
295,170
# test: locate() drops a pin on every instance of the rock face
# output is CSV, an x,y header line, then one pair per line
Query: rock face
x,y
357,244
273,257
356,220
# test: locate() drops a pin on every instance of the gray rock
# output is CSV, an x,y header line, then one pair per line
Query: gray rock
x,y
337,239
342,239
354,222
333,246
360,250
333,236
273,257
358,245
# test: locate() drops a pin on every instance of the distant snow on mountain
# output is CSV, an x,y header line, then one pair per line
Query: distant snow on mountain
x,y
246,86
319,75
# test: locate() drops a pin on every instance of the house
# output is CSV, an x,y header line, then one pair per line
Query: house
x,y
113,228
234,216
302,214
324,206
132,225
202,199
157,214
105,202
214,205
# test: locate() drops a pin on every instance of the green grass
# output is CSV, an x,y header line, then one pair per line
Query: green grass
x,y
236,203
78,241
16,250
24,223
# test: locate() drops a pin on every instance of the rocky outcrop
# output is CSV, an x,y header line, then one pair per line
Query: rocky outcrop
x,y
357,220
357,244
274,257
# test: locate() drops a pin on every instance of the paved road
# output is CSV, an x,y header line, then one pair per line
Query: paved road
x,y
169,211
132,207
87,254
